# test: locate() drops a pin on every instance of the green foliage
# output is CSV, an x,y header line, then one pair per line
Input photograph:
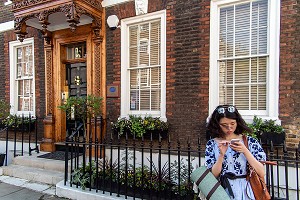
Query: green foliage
x,y
83,107
81,175
17,121
260,126
4,109
138,176
139,126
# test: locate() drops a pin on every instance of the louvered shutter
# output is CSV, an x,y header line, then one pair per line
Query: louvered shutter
x,y
145,67
243,55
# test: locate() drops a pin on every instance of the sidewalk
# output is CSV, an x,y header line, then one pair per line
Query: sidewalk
x,y
20,189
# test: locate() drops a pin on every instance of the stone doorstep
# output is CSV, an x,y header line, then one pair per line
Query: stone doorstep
x,y
33,174
47,176
34,169
42,163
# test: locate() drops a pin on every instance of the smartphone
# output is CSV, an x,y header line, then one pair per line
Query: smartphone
x,y
234,141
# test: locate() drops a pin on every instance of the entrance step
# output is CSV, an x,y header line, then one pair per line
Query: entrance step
x,y
36,169
60,146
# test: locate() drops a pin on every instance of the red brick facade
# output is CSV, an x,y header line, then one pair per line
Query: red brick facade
x,y
188,30
187,64
5,38
289,101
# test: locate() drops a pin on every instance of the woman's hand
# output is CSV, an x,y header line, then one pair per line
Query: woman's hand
x,y
241,148
223,146
238,147
217,167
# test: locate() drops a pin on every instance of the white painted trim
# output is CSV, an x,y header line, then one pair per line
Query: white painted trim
x,y
13,89
109,3
6,26
273,73
124,60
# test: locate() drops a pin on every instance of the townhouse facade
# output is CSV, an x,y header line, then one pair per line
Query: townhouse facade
x,y
173,59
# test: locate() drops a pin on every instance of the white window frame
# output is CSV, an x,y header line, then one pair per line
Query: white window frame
x,y
125,88
13,70
109,3
273,49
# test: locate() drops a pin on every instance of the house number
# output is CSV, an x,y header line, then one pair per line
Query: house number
x,y
77,80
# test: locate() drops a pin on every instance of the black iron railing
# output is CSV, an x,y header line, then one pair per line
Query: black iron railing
x,y
18,131
156,169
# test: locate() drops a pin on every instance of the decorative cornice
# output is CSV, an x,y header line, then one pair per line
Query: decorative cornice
x,y
17,5
72,10
95,3
27,3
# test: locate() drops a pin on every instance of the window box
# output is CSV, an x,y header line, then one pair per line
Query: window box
x,y
140,127
267,131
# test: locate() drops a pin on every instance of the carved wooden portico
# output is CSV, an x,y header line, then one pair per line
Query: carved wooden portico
x,y
64,22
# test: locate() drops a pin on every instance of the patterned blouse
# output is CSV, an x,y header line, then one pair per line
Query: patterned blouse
x,y
236,163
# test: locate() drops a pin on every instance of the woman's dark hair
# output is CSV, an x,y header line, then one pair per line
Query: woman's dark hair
x,y
230,112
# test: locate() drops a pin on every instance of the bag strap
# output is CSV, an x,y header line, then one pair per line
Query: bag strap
x,y
262,162
214,188
245,141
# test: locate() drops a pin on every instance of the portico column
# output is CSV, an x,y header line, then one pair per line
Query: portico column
x,y
48,140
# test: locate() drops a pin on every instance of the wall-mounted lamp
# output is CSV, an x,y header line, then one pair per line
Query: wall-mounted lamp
x,y
113,22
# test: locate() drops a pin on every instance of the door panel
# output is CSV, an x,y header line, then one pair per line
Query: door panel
x,y
76,77
77,82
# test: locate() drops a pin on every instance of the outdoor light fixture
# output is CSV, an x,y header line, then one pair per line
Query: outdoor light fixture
x,y
113,22
7,2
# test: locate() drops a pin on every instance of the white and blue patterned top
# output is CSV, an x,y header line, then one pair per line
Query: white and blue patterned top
x,y
236,163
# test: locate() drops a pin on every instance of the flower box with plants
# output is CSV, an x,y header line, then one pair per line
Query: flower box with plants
x,y
141,127
267,131
140,181
19,123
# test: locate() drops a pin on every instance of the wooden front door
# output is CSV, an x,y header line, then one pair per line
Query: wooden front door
x,y
76,78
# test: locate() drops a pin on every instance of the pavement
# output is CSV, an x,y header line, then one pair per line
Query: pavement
x,y
20,189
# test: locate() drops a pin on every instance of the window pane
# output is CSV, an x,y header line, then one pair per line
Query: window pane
x,y
242,71
244,34
144,69
24,79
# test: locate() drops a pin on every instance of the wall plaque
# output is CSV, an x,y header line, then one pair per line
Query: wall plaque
x,y
112,91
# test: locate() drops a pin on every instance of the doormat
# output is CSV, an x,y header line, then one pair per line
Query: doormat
x,y
58,155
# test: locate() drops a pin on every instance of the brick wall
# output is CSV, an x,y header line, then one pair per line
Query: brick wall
x,y
5,12
290,71
5,15
5,38
187,63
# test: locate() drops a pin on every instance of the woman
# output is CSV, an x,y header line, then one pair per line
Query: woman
x,y
227,156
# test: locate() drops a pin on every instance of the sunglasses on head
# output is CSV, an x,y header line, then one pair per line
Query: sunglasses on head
x,y
221,110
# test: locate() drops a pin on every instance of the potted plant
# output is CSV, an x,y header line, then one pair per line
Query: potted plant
x,y
82,108
267,131
139,126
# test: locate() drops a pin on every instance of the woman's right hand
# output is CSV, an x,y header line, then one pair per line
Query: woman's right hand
x,y
217,167
223,146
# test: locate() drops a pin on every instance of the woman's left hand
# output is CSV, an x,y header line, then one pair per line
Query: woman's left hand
x,y
238,147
